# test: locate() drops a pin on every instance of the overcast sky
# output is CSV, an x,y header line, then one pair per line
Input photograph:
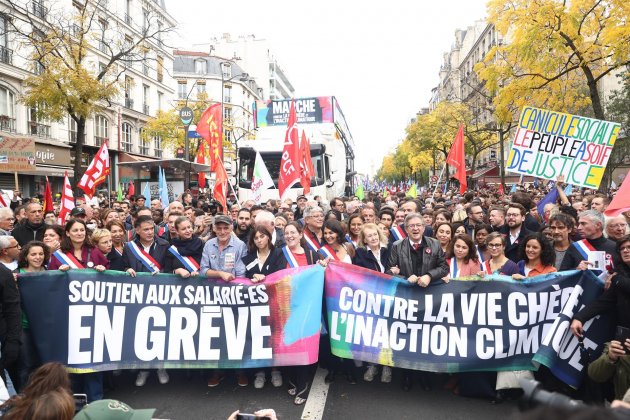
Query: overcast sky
x,y
379,58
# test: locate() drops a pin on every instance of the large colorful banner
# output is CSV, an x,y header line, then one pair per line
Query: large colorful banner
x,y
308,111
549,143
103,321
491,325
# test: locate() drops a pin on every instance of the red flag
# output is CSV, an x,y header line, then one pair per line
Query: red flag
x,y
621,201
456,158
501,192
96,173
220,185
48,200
201,180
306,164
289,163
131,190
67,201
210,128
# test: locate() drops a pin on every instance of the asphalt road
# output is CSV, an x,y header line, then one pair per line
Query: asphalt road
x,y
188,397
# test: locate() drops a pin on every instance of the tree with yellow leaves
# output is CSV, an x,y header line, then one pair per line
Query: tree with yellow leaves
x,y
65,80
556,52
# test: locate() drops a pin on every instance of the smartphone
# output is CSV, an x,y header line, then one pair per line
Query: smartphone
x,y
80,401
621,335
243,416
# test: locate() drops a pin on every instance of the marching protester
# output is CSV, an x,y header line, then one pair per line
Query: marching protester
x,y
53,235
184,254
33,227
336,248
76,250
515,215
462,258
537,257
498,263
117,230
561,226
594,248
444,234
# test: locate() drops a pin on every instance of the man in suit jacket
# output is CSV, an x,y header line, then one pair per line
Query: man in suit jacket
x,y
517,232
421,261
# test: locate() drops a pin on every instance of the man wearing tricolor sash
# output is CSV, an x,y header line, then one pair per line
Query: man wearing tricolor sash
x,y
313,227
145,254
594,251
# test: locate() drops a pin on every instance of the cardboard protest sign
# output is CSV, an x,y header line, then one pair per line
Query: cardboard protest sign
x,y
549,143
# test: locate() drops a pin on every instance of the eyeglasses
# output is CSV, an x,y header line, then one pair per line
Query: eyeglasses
x,y
415,225
495,245
513,215
624,248
618,225
14,246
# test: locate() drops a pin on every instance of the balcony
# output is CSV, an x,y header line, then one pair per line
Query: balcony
x,y
39,130
6,55
38,9
129,103
72,137
7,124
158,153
145,108
127,147
143,148
98,141
127,19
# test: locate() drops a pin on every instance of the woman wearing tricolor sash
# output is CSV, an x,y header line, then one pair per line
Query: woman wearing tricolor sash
x,y
184,255
76,251
336,248
498,263
355,223
462,258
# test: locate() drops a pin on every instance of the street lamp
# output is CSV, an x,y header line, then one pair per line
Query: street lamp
x,y
186,138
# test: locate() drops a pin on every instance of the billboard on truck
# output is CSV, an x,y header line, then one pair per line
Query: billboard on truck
x,y
315,110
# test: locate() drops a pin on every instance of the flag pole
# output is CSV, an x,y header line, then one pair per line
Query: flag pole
x,y
438,181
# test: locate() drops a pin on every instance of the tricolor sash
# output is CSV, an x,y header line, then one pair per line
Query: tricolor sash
x,y
162,230
144,257
290,257
485,267
67,259
453,270
130,235
189,263
327,252
311,241
349,240
584,248
398,233
479,255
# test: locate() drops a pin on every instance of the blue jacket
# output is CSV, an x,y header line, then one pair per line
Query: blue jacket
x,y
365,258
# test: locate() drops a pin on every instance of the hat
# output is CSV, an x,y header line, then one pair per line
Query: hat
x,y
222,218
112,410
301,196
77,211
448,203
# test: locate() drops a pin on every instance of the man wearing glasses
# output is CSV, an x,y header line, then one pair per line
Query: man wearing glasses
x,y
313,227
9,252
515,216
420,260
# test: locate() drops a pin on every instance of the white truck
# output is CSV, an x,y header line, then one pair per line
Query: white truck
x,y
332,147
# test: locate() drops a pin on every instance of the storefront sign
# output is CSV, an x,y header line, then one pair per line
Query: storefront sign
x,y
52,155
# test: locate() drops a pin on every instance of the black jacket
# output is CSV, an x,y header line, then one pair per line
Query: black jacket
x,y
158,252
26,232
512,250
115,260
10,316
573,257
364,258
615,300
433,260
274,262
191,248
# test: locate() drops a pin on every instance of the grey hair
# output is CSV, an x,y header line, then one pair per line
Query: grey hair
x,y
413,216
594,216
5,241
263,216
309,210
6,212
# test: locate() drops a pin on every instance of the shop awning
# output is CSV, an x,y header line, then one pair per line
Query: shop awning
x,y
166,164
49,170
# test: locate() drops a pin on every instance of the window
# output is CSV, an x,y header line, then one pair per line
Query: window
x,y
227,115
126,137
227,70
128,86
145,63
160,68
145,99
5,52
127,47
7,110
101,129
36,128
143,146
128,12
157,146
182,89
201,87
160,99
201,66
72,130
145,20
227,93
102,43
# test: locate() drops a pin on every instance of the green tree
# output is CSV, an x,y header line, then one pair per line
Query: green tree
x,y
62,43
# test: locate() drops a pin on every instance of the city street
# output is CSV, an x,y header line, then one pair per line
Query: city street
x,y
190,398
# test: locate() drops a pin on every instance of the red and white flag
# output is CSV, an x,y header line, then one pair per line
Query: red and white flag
x,y
306,164
290,161
96,173
67,201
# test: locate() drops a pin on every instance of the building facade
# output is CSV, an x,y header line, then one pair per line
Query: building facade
x,y
146,86
256,57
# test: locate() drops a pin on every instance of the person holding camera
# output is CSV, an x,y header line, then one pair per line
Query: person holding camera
x,y
613,364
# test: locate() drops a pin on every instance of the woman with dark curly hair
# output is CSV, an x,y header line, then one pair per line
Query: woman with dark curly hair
x,y
537,257
462,258
52,237
336,247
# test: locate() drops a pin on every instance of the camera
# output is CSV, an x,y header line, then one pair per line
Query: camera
x,y
534,395
80,401
243,416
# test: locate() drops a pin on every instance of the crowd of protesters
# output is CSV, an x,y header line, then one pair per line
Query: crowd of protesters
x,y
428,239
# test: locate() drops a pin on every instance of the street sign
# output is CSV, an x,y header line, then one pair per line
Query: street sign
x,y
434,178
186,115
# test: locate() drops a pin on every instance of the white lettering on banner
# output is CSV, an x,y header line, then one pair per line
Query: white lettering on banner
x,y
76,333
181,333
150,316
372,320
107,333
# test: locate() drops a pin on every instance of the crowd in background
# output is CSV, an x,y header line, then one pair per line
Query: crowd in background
x,y
429,239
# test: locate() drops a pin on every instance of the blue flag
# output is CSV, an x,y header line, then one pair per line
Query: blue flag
x,y
146,192
163,189
513,189
551,197
568,190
